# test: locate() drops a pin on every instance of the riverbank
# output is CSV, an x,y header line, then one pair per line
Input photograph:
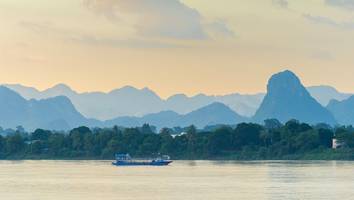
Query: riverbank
x,y
320,154
248,141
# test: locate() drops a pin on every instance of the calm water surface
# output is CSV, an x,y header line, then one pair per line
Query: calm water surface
x,y
187,180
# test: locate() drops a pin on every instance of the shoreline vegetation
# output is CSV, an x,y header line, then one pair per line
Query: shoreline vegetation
x,y
245,142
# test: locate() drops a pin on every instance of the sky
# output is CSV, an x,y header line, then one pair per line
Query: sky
x,y
176,46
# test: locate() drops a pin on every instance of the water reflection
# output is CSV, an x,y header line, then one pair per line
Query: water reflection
x,y
187,180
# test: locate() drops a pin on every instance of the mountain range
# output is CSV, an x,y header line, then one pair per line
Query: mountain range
x,y
58,113
212,114
343,111
62,108
130,101
52,113
324,94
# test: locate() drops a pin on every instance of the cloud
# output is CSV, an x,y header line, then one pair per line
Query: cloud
x,y
220,29
345,4
156,18
281,3
44,28
51,31
120,43
157,24
329,22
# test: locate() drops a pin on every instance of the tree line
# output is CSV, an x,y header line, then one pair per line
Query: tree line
x,y
273,140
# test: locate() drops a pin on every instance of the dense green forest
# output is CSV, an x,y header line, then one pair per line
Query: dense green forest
x,y
246,141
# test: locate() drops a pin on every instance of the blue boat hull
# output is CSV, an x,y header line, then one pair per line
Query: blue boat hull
x,y
137,163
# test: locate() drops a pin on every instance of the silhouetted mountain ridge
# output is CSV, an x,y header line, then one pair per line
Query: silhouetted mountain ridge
x,y
59,107
287,99
343,111
130,101
324,94
58,113
212,114
53,113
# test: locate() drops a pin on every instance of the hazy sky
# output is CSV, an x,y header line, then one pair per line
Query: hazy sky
x,y
171,46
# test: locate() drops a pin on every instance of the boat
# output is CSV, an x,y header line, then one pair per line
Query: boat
x,y
127,160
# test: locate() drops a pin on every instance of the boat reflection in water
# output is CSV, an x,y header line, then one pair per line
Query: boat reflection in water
x,y
126,160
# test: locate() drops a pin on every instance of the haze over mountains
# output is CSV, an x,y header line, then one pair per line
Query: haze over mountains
x,y
212,114
52,113
62,108
343,111
324,94
58,113
130,101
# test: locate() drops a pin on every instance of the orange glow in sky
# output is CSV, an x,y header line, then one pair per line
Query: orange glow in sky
x,y
189,46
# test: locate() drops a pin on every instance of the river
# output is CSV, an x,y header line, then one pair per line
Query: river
x,y
187,180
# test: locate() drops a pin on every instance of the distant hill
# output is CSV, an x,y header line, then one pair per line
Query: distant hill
x,y
160,119
287,99
213,114
324,94
130,101
343,111
126,101
53,113
58,113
